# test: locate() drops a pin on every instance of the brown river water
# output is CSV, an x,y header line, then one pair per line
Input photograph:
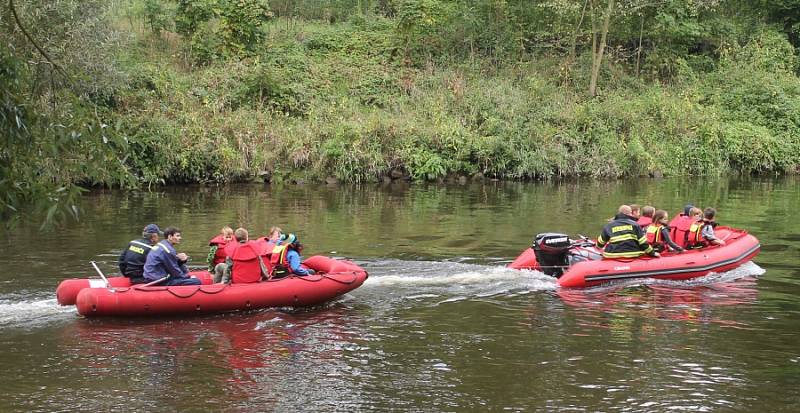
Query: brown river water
x,y
440,325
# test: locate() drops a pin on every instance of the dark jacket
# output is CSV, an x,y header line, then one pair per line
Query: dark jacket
x,y
133,257
623,238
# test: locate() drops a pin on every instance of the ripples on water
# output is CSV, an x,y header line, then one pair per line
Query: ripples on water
x,y
410,330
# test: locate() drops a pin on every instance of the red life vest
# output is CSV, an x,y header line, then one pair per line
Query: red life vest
x,y
654,236
219,254
278,262
644,222
247,260
680,229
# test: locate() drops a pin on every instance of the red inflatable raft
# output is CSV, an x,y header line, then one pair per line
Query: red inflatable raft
x,y
333,279
582,267
67,291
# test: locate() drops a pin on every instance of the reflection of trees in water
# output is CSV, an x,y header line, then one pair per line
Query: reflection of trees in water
x,y
231,361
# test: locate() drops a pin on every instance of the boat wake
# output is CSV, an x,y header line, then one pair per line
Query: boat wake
x,y
17,312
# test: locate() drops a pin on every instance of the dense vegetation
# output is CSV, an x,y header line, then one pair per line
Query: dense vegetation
x,y
145,92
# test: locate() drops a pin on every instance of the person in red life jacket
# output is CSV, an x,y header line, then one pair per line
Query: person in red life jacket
x,y
216,252
164,261
133,258
222,272
658,233
624,238
286,259
701,233
679,226
246,259
647,217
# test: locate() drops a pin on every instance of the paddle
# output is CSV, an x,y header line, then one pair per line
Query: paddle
x,y
108,284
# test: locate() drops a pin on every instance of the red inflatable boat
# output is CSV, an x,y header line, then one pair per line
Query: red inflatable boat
x,y
67,291
333,279
578,264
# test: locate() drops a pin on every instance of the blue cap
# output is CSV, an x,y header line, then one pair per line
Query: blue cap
x,y
152,229
290,239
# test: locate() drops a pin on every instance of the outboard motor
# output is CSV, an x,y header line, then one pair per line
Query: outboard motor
x,y
551,252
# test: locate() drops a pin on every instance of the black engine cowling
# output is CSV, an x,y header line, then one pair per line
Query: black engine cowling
x,y
551,252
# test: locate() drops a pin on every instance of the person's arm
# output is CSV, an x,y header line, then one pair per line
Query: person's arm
x,y
121,261
211,254
294,261
643,244
665,236
708,235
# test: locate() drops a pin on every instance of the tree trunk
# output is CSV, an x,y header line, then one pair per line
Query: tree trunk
x,y
597,55
639,49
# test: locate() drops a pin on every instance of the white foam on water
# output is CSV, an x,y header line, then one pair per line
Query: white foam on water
x,y
27,313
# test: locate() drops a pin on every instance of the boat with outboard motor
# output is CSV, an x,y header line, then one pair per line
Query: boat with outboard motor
x,y
579,263
333,278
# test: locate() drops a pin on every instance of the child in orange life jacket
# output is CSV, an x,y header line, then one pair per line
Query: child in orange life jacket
x,y
216,253
658,233
701,233
222,273
286,259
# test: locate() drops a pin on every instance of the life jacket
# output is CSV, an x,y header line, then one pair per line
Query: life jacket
x,y
695,237
219,254
644,222
679,229
247,263
654,236
279,263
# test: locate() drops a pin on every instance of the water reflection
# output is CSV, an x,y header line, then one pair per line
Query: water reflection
x,y
232,361
666,302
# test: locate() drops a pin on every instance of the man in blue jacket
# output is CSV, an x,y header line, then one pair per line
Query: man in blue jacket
x,y
163,260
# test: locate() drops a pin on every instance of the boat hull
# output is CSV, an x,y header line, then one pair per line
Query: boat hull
x,y
740,247
67,291
336,278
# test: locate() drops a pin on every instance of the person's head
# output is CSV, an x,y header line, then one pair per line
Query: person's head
x,y
151,232
636,210
173,235
709,214
241,235
660,217
687,210
290,239
274,234
227,233
695,213
624,209
648,211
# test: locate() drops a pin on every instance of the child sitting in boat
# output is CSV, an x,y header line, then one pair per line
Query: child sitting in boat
x,y
286,259
658,233
701,233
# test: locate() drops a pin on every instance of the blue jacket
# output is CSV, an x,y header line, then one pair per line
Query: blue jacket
x,y
163,260
294,261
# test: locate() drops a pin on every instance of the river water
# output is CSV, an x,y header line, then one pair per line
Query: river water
x,y
440,325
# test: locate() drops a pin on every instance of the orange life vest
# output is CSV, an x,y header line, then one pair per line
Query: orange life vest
x,y
247,263
679,229
654,235
219,254
695,238
279,263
